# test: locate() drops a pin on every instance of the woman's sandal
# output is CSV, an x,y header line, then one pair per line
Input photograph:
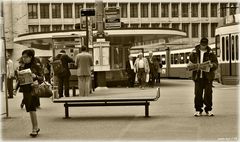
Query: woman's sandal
x,y
34,133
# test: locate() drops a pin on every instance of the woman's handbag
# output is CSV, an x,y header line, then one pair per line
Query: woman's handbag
x,y
43,90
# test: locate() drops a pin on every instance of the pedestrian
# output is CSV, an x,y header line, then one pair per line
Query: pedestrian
x,y
30,100
10,76
203,79
141,69
47,71
63,77
153,66
159,70
130,71
84,63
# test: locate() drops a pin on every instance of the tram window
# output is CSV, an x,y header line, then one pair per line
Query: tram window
x,y
172,59
237,47
163,60
233,49
187,57
218,45
182,58
176,58
223,48
227,49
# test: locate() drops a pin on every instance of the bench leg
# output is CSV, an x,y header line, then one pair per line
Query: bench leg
x,y
66,111
147,109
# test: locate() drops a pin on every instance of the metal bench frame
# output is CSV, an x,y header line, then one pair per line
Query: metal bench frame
x,y
109,102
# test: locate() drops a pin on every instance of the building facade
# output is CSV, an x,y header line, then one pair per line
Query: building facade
x,y
198,18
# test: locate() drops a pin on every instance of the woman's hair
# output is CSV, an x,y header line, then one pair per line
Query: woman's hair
x,y
29,52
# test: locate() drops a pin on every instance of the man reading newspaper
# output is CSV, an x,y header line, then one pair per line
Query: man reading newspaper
x,y
203,63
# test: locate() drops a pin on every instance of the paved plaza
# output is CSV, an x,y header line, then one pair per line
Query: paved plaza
x,y
171,118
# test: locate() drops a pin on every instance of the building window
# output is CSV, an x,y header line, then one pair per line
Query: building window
x,y
174,10
67,10
145,25
45,28
90,5
56,27
233,7
154,9
213,28
165,10
223,11
175,26
112,4
134,26
165,25
144,10
123,10
56,10
133,10
185,28
214,10
32,11
184,9
68,27
204,10
78,8
195,30
33,28
204,30
125,26
44,11
194,10
155,25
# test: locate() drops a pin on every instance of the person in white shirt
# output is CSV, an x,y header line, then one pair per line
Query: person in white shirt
x,y
84,63
130,71
141,68
10,76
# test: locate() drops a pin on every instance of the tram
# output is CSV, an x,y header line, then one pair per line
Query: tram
x,y
174,62
227,48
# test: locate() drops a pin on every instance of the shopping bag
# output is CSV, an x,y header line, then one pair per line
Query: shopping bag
x,y
147,77
136,78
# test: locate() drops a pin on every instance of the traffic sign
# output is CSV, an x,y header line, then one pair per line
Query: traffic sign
x,y
112,17
88,12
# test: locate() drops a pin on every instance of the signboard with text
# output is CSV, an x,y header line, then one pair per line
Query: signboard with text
x,y
112,17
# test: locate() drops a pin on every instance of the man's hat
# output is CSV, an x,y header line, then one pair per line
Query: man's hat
x,y
204,41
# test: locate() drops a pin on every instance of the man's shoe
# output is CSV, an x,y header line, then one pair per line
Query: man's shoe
x,y
209,113
197,113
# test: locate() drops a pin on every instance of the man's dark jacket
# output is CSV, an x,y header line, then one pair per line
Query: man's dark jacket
x,y
208,55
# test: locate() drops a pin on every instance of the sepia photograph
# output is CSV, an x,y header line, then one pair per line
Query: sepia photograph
x,y
123,70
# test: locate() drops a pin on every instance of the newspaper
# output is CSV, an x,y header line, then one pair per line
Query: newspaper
x,y
205,66
25,77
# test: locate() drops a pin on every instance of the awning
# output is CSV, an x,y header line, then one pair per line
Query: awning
x,y
44,40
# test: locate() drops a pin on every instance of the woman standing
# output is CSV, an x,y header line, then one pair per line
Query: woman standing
x,y
31,101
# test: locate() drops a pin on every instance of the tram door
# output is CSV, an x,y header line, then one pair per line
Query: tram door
x,y
230,58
